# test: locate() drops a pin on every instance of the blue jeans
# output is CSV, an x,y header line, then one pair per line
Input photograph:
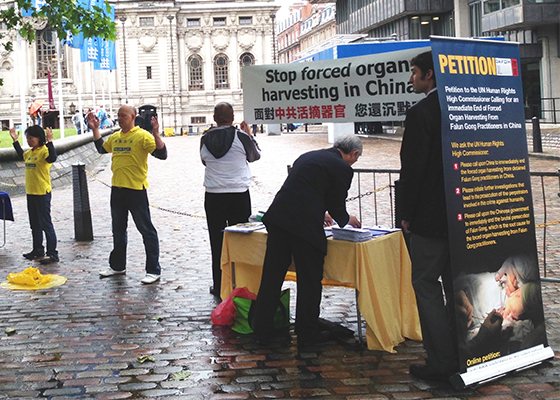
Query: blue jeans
x,y
39,209
124,200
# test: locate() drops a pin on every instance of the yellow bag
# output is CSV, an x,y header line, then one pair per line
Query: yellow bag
x,y
30,277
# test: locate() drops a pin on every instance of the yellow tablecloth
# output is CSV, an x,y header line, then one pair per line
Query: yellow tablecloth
x,y
380,269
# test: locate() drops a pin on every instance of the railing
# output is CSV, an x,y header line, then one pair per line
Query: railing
x,y
545,108
372,199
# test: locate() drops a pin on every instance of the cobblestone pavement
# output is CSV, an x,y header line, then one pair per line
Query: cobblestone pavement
x,y
85,339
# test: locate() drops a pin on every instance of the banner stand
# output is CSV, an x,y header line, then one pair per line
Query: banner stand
x,y
499,367
499,313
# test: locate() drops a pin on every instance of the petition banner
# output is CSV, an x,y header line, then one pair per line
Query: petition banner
x,y
499,313
357,89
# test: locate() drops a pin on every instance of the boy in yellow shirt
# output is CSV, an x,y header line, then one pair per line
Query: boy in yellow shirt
x,y
38,161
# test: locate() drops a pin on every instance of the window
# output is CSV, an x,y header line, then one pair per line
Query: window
x,y
245,20
219,21
148,72
246,59
496,5
475,19
146,21
46,55
198,120
195,73
221,72
193,22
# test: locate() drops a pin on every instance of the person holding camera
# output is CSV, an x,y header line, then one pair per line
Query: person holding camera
x,y
130,148
226,151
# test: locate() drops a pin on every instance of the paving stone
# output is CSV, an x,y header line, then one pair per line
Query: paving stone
x,y
82,340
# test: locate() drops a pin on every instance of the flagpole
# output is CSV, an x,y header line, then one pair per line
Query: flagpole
x,y
93,85
60,99
110,97
80,103
22,79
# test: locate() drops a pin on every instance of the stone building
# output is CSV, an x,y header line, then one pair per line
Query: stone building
x,y
534,24
181,56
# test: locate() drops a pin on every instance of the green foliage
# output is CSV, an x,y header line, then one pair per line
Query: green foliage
x,y
62,15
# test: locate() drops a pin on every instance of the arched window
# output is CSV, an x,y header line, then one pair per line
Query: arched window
x,y
46,55
196,81
221,72
246,59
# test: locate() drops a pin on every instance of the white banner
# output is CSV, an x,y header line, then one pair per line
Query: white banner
x,y
357,89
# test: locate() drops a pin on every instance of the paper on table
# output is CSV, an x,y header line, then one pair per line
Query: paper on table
x,y
246,227
364,234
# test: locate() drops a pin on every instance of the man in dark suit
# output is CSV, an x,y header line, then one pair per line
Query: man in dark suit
x,y
318,182
424,216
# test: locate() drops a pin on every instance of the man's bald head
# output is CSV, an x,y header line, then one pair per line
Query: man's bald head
x,y
126,116
223,114
126,109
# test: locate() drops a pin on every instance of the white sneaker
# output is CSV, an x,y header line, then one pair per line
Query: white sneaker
x,y
110,272
150,278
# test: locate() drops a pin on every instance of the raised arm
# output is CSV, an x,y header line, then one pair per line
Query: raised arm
x,y
15,136
160,151
93,123
50,146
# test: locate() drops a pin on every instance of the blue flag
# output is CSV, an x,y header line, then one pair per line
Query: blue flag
x,y
74,41
107,57
37,5
90,49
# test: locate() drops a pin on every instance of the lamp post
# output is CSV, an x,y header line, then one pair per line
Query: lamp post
x,y
123,19
170,18
273,17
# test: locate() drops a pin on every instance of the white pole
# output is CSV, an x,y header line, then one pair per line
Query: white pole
x,y
93,85
110,97
103,89
21,73
60,99
79,86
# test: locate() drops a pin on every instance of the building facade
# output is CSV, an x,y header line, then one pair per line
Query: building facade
x,y
532,23
181,56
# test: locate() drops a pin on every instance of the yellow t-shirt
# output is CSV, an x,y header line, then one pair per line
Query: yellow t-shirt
x,y
37,171
130,157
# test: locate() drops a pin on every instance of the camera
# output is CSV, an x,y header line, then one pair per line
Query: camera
x,y
144,117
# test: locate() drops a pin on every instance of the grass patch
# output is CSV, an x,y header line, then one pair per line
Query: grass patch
x,y
6,140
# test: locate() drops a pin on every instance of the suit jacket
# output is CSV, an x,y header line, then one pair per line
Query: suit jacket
x,y
318,181
422,192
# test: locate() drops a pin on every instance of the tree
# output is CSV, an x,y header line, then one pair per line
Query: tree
x,y
63,16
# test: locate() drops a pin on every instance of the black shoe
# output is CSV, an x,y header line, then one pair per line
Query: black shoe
x,y
313,339
48,260
279,336
33,254
215,292
429,373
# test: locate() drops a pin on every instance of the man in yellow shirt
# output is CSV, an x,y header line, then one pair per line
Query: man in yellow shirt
x,y
130,148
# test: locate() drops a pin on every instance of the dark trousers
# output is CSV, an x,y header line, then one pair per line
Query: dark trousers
x,y
39,209
124,200
281,245
430,261
223,209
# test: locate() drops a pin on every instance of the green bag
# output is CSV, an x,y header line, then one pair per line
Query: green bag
x,y
243,313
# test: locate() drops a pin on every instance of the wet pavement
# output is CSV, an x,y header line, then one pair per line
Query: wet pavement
x,y
115,338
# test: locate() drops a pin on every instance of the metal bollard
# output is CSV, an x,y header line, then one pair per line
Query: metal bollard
x,y
537,140
83,229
